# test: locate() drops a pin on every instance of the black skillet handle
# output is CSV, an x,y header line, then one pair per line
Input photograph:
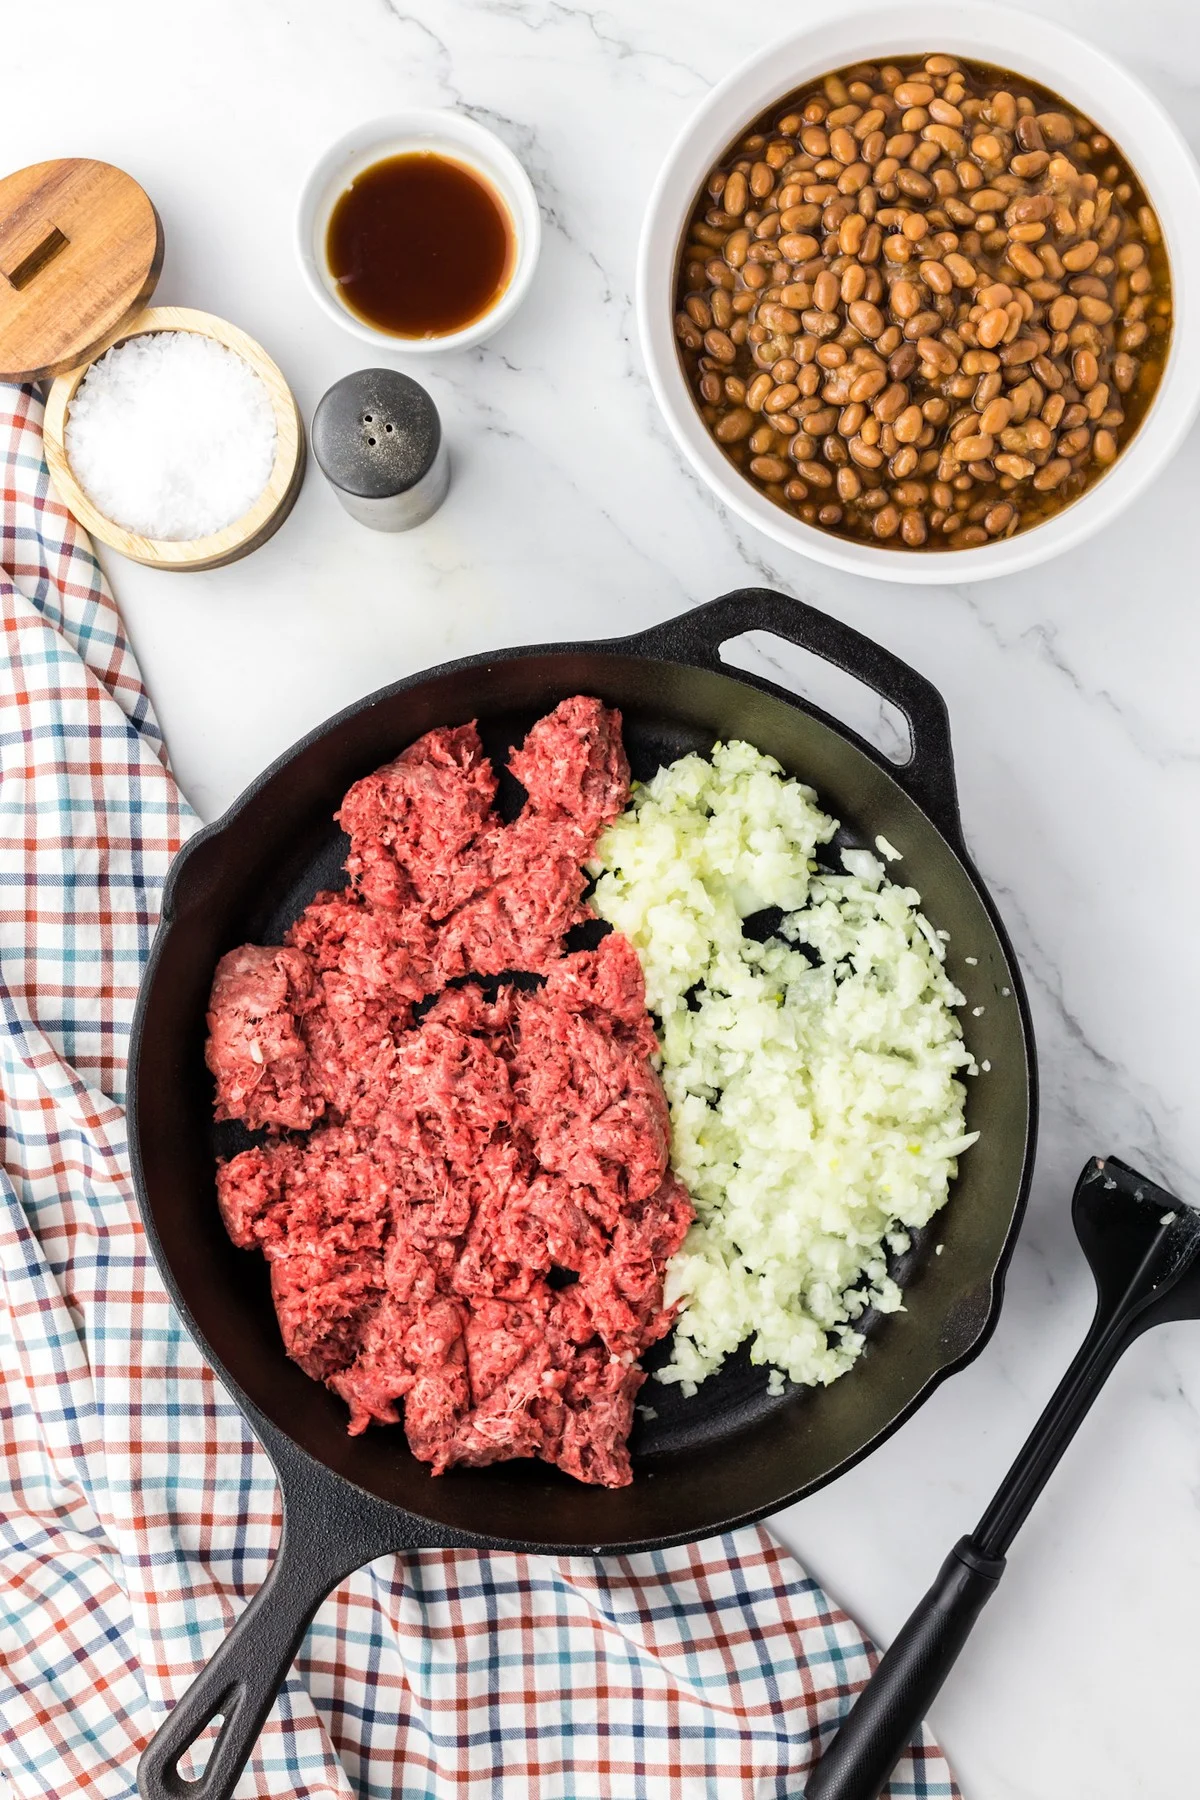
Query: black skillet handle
x,y
329,1530
696,637
872,1737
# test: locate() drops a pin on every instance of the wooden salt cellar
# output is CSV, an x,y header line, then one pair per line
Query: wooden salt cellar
x,y
81,249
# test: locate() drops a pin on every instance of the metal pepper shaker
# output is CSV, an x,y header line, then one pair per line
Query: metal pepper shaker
x,y
378,440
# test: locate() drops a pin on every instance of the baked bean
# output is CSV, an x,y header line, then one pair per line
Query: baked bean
x,y
905,299
995,416
1020,467
757,392
992,327
722,308
910,266
1056,127
1070,443
1026,261
781,398
1124,370
720,346
903,361
1085,368
889,405
866,318
909,424
736,197
866,455
1081,256
814,472
1052,474
688,332
1096,401
868,384
735,425
938,355
946,137
825,291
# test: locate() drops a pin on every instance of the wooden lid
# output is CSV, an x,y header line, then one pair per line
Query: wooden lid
x,y
81,248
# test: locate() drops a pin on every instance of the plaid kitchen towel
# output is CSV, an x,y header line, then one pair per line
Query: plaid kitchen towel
x,y
138,1514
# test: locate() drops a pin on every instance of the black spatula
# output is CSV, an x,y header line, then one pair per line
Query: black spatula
x,y
1144,1249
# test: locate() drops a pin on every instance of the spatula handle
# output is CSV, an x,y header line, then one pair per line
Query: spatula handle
x,y
873,1735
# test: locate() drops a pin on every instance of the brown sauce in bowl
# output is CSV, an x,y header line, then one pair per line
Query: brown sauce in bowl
x,y
420,246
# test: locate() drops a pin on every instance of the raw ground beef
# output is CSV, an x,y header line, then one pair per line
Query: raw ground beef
x,y
473,1232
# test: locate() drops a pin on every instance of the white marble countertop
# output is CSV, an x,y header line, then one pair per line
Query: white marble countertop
x,y
1072,690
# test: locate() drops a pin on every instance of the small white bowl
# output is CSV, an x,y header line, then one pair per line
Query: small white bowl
x,y
461,140
1029,46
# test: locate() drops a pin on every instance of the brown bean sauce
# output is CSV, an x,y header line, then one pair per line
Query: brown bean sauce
x,y
419,245
923,303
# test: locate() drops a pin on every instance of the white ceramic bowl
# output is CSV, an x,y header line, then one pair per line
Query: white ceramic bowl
x,y
1030,46
460,139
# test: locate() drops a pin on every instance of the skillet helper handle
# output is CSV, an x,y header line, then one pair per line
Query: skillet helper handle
x,y
696,637
320,1546
872,1737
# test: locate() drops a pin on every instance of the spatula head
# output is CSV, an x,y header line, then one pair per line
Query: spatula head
x,y
1143,1245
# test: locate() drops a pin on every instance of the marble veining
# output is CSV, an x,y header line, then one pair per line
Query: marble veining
x,y
1071,691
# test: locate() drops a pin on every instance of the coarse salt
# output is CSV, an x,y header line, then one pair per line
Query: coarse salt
x,y
171,435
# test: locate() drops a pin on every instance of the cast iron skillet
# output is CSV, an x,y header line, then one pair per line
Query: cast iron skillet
x,y
732,1453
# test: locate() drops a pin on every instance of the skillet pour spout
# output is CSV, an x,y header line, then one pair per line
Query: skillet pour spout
x,y
734,1452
